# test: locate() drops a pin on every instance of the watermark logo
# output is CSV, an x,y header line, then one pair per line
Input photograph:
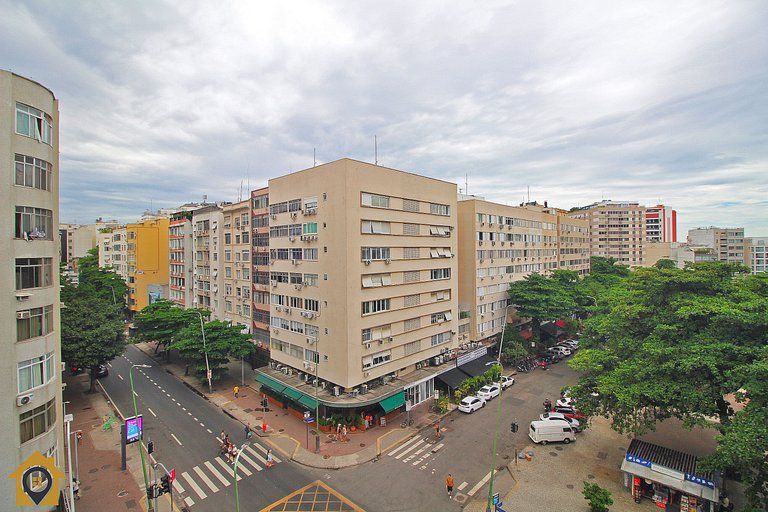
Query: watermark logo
x,y
37,481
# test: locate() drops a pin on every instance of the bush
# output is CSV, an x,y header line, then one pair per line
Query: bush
x,y
599,498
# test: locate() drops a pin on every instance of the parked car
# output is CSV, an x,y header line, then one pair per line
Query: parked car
x,y
556,416
564,401
547,431
470,404
101,371
572,344
506,381
490,391
570,412
560,350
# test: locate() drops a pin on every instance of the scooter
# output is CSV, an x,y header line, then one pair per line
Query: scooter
x,y
547,405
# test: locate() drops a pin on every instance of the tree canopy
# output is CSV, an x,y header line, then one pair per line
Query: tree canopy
x,y
544,297
105,282
222,341
162,320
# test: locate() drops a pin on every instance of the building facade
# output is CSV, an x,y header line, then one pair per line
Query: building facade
x,y
616,230
113,250
261,289
206,289
660,224
726,243
237,264
147,262
757,253
30,372
180,265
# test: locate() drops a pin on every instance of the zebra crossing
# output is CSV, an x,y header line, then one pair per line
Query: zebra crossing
x,y
213,475
416,452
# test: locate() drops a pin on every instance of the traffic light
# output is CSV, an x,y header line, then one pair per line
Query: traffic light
x,y
150,447
152,491
513,427
265,403
165,484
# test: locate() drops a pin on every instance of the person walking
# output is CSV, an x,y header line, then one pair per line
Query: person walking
x,y
248,431
449,486
270,462
344,433
237,391
437,430
76,488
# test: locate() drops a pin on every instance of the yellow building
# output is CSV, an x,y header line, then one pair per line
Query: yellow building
x,y
147,262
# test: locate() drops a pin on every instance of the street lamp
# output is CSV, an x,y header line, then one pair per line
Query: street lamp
x,y
68,420
237,497
317,400
498,415
114,300
136,414
205,350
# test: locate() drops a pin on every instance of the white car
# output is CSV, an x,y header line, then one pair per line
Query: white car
x,y
556,416
560,350
470,404
506,381
489,391
571,344
565,401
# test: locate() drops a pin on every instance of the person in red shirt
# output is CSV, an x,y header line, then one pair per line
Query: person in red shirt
x,y
449,485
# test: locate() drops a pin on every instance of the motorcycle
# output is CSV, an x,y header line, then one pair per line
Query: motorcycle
x,y
547,405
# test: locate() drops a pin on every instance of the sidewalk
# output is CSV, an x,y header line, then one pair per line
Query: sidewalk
x,y
284,432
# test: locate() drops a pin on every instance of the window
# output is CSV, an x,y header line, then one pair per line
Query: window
x,y
309,228
375,200
375,253
310,202
35,372
443,337
375,227
411,276
296,302
377,359
442,295
228,272
412,300
411,229
310,279
227,255
312,356
37,421
411,253
228,238
439,231
310,254
33,172
34,223
34,322
375,306
375,280
439,209
312,305
441,317
31,122
440,273
409,205
294,205
413,347
33,272
411,324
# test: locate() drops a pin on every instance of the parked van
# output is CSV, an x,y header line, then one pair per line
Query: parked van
x,y
550,431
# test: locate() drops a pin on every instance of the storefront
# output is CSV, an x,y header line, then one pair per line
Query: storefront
x,y
669,478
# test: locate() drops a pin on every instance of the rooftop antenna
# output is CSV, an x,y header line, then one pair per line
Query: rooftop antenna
x,y
466,183
375,151
314,157
529,193
240,194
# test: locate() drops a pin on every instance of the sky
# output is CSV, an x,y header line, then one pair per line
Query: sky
x,y
164,102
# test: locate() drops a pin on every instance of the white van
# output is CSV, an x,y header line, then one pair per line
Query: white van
x,y
550,431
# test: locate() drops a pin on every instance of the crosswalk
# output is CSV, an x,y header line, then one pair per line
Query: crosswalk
x,y
213,475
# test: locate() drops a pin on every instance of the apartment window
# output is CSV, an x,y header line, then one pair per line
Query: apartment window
x,y
280,277
443,337
309,228
260,202
413,347
411,229
311,330
310,279
294,205
228,238
375,306
37,421
409,205
228,272
312,356
33,172
440,273
296,302
411,253
375,200
33,272
375,227
442,295
274,209
411,324
246,310
31,323
375,253
412,300
36,372
310,202
31,122
439,209
312,305
440,252
376,280
377,359
310,254
439,231
228,306
34,223
441,317
411,276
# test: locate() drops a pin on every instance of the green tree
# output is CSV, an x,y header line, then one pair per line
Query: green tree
x,y
222,341
513,347
162,320
665,263
599,498
104,281
91,329
543,298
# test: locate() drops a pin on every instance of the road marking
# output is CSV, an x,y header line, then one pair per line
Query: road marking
x,y
109,364
216,473
462,486
183,408
189,501
203,425
194,485
177,440
135,394
189,413
205,479
481,483
249,461
120,377
177,486
258,455
264,451
173,399
229,469
409,458
402,446
438,447
153,412
412,447
209,431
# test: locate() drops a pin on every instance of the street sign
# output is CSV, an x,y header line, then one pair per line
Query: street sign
x,y
210,374
172,474
133,429
310,419
496,499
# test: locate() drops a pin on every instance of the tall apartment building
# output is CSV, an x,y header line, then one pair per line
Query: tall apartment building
x,y
31,416
206,244
499,244
237,264
260,269
756,249
180,264
147,262
660,224
113,250
726,243
616,230
363,284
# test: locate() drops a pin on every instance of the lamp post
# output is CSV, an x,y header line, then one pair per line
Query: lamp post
x,y
136,414
317,400
114,300
205,349
68,421
498,416
237,497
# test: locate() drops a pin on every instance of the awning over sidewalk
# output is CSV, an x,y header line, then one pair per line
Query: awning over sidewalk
x,y
477,366
292,394
393,402
452,378
271,383
307,402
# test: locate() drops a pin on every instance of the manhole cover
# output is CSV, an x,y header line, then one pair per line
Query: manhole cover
x,y
602,455
326,456
554,454
92,471
591,477
362,444
281,430
461,498
570,486
559,448
130,504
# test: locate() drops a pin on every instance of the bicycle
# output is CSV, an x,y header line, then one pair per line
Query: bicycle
x,y
107,421
407,423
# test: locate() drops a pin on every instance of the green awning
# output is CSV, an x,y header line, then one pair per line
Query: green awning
x,y
271,383
307,402
292,393
393,402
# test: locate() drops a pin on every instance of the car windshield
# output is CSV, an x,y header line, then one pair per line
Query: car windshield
x,y
467,401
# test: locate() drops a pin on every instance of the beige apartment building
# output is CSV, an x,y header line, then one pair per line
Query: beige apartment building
x,y
206,244
180,264
363,281
147,262
616,229
31,414
237,264
113,250
727,244
499,244
261,290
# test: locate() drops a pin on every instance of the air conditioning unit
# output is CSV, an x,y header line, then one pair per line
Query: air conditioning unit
x,y
303,313
275,331
311,315
310,341
363,389
355,392
297,286
306,365
24,399
287,310
436,361
295,262
367,345
367,262
285,371
418,366
387,261
313,237
493,243
450,228
293,215
336,390
23,315
381,341
289,372
310,211
274,216
272,364
291,238
301,375
480,242
366,374
323,385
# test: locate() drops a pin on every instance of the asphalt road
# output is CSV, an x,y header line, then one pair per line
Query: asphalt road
x,y
184,428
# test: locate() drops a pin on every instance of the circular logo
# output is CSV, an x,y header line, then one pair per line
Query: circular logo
x,y
36,482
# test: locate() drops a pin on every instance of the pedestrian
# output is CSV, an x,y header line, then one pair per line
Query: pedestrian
x,y
234,454
237,391
248,430
76,488
231,453
344,433
226,438
270,463
338,431
449,486
222,436
437,429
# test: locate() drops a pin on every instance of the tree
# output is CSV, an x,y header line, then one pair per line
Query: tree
x,y
513,346
599,498
665,263
162,320
222,341
543,298
91,329
104,281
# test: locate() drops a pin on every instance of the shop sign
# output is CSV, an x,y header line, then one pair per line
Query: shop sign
x,y
638,460
666,471
701,481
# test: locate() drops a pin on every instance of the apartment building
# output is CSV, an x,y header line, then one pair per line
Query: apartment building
x,y
31,416
147,262
180,264
756,249
726,243
363,285
113,250
499,244
260,303
237,264
206,244
660,224
616,230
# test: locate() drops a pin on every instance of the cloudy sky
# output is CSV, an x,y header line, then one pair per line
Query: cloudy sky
x,y
163,102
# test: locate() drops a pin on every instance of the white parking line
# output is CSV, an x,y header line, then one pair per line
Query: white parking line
x,y
153,412
177,440
481,483
402,446
194,485
205,479
216,473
